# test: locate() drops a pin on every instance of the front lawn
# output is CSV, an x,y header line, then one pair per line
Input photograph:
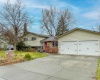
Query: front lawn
x,y
33,55
98,70
19,55
2,54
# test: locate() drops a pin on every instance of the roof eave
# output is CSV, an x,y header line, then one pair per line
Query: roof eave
x,y
78,29
34,34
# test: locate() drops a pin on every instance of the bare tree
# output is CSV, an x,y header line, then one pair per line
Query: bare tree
x,y
52,19
97,28
48,21
12,20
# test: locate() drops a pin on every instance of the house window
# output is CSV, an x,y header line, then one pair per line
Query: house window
x,y
55,44
33,38
25,39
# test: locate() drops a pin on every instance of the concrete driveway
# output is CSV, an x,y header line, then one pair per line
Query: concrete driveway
x,y
55,67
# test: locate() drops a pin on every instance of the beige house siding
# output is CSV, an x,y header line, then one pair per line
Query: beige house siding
x,y
3,44
34,42
79,36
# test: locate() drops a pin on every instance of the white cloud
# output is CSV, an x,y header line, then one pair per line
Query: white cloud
x,y
47,3
33,4
38,6
74,8
29,3
4,1
92,15
63,5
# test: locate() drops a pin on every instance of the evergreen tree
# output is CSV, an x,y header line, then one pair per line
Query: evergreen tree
x,y
62,26
25,28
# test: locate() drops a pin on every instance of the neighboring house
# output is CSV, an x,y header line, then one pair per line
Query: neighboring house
x,y
34,40
51,45
3,42
80,42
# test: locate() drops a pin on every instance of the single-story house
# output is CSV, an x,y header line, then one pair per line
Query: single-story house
x,y
33,40
51,45
79,42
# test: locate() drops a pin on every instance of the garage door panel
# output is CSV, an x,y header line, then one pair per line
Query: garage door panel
x,y
88,48
69,48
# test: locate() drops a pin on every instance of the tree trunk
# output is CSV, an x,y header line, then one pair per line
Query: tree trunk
x,y
15,47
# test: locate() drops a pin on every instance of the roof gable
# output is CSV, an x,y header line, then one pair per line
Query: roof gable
x,y
79,29
40,35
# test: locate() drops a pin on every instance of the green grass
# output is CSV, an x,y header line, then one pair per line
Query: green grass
x,y
2,54
98,70
20,54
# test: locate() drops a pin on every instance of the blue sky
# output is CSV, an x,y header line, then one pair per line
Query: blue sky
x,y
85,12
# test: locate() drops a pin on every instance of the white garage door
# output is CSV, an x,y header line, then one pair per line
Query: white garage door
x,y
88,47
69,47
80,47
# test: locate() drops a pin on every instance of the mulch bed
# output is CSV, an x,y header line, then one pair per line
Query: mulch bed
x,y
4,63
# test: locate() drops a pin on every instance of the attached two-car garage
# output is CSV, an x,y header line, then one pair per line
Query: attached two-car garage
x,y
80,42
80,47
